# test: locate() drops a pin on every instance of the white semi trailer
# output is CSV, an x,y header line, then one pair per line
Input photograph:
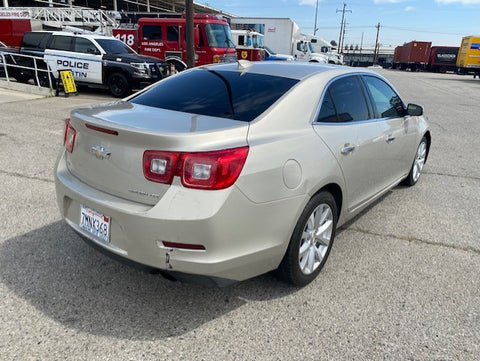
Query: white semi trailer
x,y
282,35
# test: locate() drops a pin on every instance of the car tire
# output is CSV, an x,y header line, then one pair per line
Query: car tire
x,y
311,241
418,164
21,76
119,85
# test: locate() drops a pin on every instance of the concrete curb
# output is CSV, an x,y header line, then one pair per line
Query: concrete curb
x,y
27,88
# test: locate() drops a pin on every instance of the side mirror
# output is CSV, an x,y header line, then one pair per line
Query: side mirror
x,y
196,36
414,110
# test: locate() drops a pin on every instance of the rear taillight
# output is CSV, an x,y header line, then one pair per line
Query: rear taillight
x,y
213,170
202,170
159,166
69,136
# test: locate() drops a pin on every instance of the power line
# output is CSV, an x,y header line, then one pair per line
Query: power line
x,y
421,30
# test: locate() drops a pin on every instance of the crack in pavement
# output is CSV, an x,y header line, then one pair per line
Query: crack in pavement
x,y
453,175
15,174
415,240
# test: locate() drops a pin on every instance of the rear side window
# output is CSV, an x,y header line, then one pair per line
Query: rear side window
x,y
349,100
62,43
225,94
386,102
35,40
327,111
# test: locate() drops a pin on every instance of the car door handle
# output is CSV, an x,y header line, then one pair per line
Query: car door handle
x,y
390,138
347,148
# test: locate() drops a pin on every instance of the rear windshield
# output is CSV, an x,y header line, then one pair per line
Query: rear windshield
x,y
224,94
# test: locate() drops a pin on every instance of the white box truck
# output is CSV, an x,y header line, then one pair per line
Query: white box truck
x,y
282,35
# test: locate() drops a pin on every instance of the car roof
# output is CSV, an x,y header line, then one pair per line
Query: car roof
x,y
83,35
291,70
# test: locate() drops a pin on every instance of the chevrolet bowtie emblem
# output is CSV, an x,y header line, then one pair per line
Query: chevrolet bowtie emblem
x,y
100,152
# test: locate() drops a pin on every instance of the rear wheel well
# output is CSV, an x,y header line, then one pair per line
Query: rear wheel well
x,y
335,190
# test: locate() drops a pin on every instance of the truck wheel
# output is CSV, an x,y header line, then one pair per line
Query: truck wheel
x,y
20,76
118,85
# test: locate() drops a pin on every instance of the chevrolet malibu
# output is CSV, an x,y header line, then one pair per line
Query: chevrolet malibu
x,y
225,172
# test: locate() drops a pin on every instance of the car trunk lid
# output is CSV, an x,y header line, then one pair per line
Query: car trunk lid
x,y
112,138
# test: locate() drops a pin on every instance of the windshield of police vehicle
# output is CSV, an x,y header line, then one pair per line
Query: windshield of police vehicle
x,y
217,93
114,46
219,36
310,46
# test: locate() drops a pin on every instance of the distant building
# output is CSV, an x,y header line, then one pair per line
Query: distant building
x,y
355,56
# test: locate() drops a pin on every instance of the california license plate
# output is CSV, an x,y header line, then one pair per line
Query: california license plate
x,y
95,222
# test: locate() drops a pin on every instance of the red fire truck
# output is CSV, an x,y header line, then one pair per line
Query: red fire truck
x,y
164,38
13,24
249,45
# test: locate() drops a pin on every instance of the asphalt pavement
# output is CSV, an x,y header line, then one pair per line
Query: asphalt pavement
x,y
402,281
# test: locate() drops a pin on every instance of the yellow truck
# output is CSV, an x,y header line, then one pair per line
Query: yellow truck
x,y
468,60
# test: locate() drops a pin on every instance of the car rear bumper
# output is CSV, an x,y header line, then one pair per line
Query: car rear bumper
x,y
242,239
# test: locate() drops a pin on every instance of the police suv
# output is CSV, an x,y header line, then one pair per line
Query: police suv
x,y
94,60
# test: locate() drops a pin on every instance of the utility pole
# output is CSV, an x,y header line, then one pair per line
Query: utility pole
x,y
315,26
344,31
361,44
342,25
189,33
375,54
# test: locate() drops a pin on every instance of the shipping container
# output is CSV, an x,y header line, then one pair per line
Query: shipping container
x,y
442,58
468,60
413,55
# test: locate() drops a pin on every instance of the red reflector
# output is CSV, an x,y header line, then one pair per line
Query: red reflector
x,y
183,245
100,129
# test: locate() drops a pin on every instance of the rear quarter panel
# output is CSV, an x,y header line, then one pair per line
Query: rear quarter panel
x,y
286,158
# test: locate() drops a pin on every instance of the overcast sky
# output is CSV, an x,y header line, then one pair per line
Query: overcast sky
x,y
444,22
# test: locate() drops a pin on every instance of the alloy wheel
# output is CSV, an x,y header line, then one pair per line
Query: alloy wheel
x,y
419,161
316,238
